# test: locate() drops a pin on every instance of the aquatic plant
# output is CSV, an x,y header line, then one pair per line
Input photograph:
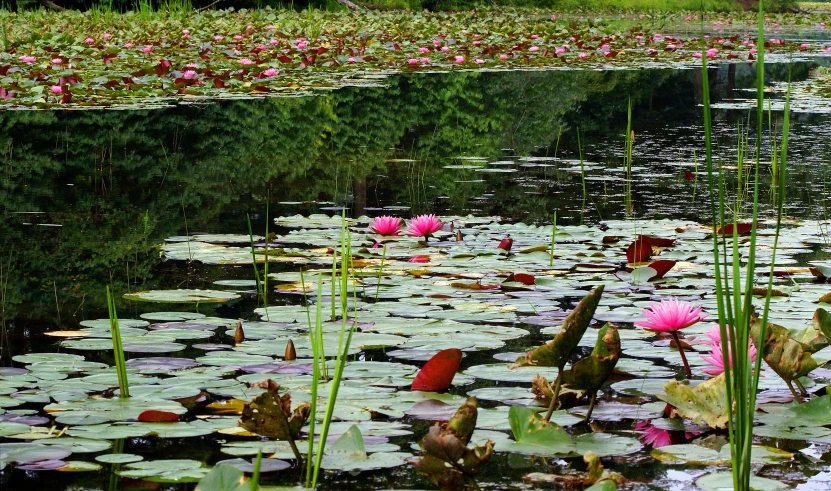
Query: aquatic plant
x,y
386,225
556,352
734,302
670,316
445,456
118,348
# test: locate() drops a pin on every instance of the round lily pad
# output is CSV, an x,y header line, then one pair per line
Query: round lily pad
x,y
182,296
119,458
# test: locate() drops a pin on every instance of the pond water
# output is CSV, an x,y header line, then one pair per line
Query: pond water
x,y
89,197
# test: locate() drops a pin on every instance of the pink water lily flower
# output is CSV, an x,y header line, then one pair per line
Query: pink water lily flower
x,y
386,225
424,226
460,59
656,437
56,89
270,72
246,61
27,59
715,357
671,316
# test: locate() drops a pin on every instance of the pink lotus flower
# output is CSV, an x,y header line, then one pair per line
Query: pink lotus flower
x,y
444,49
582,55
424,60
246,61
412,61
273,42
670,316
270,72
128,45
185,32
27,59
301,45
56,89
147,49
189,74
436,42
217,38
56,61
350,60
419,259
503,57
423,50
423,226
89,40
478,61
238,37
460,59
534,48
715,358
386,225
107,35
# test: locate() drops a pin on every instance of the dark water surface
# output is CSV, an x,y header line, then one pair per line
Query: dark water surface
x,y
87,196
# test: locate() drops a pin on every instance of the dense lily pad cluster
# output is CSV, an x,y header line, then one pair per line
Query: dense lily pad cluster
x,y
470,295
85,59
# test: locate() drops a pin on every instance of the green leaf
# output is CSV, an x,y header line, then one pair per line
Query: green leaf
x,y
223,478
705,402
591,372
822,321
555,353
535,435
787,357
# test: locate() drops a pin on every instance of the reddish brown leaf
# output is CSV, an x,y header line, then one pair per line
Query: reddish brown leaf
x,y
524,278
657,241
153,416
689,176
662,267
284,59
506,244
741,229
438,373
610,239
639,251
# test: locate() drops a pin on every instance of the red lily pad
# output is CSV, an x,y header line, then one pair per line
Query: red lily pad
x,y
662,267
741,229
639,251
524,278
153,416
438,373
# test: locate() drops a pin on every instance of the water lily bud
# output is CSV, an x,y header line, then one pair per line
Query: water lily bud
x,y
291,354
463,422
239,334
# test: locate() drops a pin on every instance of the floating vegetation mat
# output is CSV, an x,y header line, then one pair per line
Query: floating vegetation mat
x,y
491,290
78,60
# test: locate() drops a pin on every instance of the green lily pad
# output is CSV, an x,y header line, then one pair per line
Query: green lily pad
x,y
182,296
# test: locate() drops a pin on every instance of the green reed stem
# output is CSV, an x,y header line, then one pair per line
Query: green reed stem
x,y
265,266
118,349
316,359
380,272
343,348
253,254
254,482
553,240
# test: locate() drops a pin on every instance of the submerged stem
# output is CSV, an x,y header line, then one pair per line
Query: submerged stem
x,y
591,406
683,356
